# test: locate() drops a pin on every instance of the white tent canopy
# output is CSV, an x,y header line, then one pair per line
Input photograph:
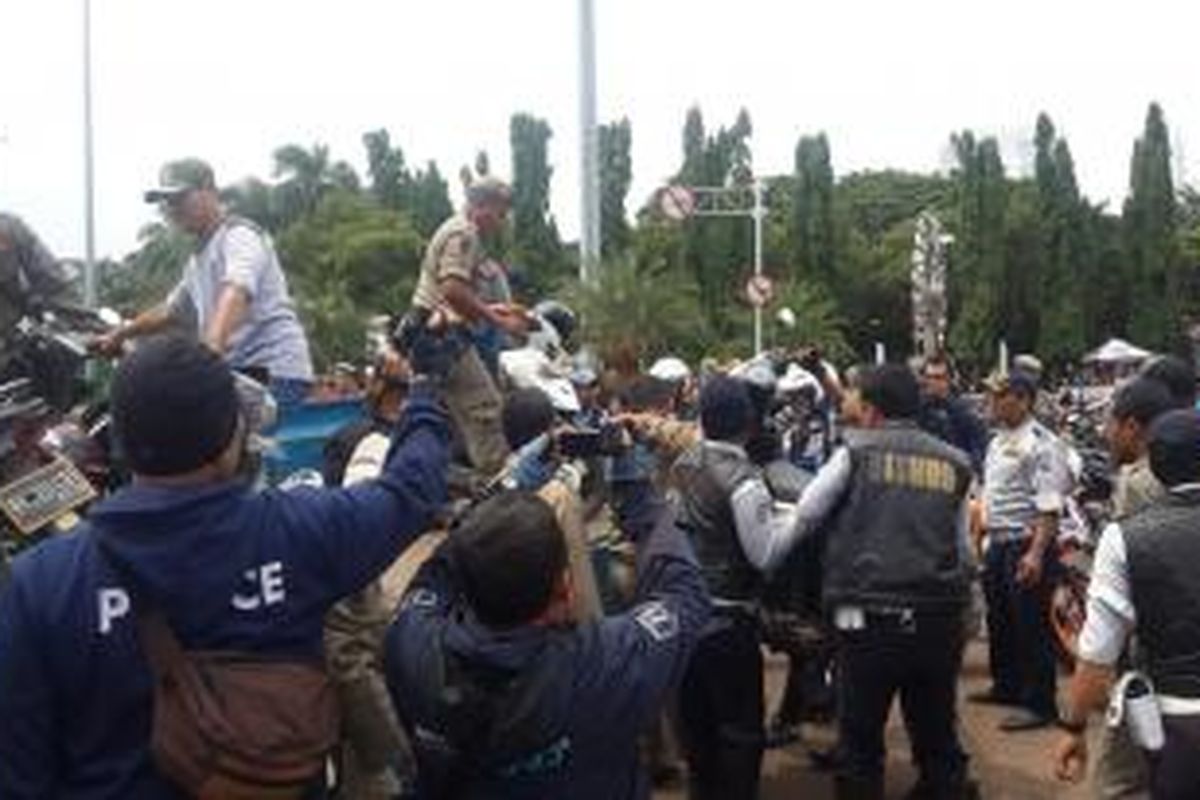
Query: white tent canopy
x,y
1117,351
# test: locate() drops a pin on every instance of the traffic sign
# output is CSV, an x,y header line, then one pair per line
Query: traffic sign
x,y
760,291
677,202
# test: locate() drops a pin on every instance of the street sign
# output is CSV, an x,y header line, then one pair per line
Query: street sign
x,y
760,291
677,202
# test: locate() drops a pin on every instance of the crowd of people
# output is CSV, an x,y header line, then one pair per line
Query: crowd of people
x,y
507,590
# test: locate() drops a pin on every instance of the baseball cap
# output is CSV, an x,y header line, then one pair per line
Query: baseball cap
x,y
177,177
1015,381
489,189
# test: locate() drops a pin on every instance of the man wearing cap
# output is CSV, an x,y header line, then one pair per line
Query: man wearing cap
x,y
448,300
29,275
233,293
1144,582
1025,473
229,567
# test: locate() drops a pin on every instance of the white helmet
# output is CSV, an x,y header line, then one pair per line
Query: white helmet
x,y
797,379
528,368
671,370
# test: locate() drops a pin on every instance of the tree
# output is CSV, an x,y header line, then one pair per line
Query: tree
x,y
812,211
635,311
1063,252
348,260
390,180
978,258
306,175
1156,306
819,320
430,200
146,276
255,200
536,247
616,173
718,250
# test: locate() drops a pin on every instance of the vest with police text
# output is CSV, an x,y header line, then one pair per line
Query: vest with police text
x,y
707,476
895,543
1163,550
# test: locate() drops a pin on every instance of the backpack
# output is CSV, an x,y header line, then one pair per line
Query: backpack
x,y
230,725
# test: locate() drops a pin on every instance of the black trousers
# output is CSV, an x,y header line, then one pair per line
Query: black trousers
x,y
721,711
1175,770
1020,642
919,661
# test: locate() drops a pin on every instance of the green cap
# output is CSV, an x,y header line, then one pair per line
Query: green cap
x,y
181,176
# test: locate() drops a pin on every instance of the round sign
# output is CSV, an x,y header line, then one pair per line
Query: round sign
x,y
760,290
676,202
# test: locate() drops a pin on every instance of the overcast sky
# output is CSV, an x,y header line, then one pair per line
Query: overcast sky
x,y
229,80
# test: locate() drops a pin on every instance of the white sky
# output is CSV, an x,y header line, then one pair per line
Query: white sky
x,y
231,80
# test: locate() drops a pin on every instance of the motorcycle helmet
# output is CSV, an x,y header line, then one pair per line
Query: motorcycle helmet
x,y
560,317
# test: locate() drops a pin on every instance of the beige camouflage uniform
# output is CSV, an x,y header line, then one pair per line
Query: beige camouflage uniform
x,y
471,396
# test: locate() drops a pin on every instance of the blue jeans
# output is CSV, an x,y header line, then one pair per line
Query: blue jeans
x,y
289,392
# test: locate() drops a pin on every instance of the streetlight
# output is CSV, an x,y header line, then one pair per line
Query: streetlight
x,y
589,160
89,191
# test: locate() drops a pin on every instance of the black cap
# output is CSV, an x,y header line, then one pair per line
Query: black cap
x,y
1174,444
174,406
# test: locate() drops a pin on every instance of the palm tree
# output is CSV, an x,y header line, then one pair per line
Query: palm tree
x,y
306,176
639,314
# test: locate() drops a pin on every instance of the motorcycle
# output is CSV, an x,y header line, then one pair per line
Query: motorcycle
x,y
1088,510
55,446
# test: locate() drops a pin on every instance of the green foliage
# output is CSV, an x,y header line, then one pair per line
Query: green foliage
x,y
422,194
978,260
1154,275
616,174
638,313
146,276
813,242
536,249
305,176
1062,253
718,251
818,320
348,260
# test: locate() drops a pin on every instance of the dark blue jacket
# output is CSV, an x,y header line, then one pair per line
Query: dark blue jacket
x,y
231,568
588,690
954,422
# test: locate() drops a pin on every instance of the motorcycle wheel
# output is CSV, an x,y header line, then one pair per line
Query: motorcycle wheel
x,y
1067,611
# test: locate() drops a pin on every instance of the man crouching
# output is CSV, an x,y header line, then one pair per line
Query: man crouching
x,y
502,694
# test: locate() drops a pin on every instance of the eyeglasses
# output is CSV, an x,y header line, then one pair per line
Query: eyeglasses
x,y
174,203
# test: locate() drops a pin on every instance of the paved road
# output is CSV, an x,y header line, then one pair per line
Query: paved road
x,y
1008,766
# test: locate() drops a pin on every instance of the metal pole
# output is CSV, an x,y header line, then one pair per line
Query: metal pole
x,y
89,193
589,179
759,213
